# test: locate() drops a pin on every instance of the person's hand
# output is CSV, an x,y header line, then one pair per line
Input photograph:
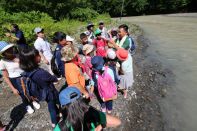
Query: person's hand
x,y
15,91
86,95
98,128
8,34
46,61
112,42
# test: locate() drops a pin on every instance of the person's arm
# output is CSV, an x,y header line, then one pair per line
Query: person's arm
x,y
11,36
60,63
114,44
44,58
7,80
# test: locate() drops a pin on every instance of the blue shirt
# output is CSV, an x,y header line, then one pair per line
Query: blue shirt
x,y
22,41
58,56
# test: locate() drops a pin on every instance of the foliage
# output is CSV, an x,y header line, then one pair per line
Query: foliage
x,y
78,8
29,20
83,14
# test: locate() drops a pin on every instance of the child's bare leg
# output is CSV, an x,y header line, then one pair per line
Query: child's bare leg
x,y
112,121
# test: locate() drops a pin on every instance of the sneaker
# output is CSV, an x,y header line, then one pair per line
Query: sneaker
x,y
103,109
36,105
53,125
55,83
29,109
109,111
59,78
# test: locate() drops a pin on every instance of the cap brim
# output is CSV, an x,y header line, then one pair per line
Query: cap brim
x,y
98,68
5,48
68,38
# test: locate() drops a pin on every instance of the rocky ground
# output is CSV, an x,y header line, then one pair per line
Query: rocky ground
x,y
139,112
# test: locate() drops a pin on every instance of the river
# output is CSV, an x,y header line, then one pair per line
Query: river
x,y
174,42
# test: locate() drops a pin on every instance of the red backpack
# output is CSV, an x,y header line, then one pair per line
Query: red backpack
x,y
106,86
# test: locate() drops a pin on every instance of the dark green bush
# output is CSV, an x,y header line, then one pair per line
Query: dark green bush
x,y
83,14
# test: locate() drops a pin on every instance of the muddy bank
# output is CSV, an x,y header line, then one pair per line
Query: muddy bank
x,y
137,112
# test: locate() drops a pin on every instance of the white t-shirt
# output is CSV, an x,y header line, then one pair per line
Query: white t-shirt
x,y
12,67
44,47
127,65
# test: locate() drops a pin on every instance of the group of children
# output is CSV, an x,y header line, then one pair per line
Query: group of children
x,y
98,68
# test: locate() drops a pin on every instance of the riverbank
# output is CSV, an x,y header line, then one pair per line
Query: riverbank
x,y
138,112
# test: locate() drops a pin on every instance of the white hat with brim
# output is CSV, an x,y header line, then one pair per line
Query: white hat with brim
x,y
68,38
38,29
4,46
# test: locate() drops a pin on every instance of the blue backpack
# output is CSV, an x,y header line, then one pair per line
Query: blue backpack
x,y
33,89
132,45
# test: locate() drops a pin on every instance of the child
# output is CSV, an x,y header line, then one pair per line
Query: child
x,y
90,32
84,41
9,65
126,70
100,70
44,48
74,76
88,50
78,116
29,59
100,44
111,62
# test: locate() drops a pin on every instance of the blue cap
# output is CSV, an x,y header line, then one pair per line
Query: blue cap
x,y
69,95
97,62
4,46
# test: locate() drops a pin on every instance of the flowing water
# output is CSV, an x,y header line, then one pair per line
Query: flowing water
x,y
174,42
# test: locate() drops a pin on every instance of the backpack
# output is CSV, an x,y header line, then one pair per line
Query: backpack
x,y
106,86
132,45
34,90
54,66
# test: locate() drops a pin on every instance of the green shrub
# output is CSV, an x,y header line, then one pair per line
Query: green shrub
x,y
83,14
29,20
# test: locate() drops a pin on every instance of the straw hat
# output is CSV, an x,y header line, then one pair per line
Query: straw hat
x,y
68,53
87,48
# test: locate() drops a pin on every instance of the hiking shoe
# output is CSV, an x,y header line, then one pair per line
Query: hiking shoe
x,y
55,83
103,109
59,78
36,105
53,125
29,109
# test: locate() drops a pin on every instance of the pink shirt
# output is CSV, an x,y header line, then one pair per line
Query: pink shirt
x,y
100,47
88,66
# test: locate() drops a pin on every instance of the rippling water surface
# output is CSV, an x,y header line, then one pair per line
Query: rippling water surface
x,y
174,42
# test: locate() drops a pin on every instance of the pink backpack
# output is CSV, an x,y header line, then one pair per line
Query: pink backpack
x,y
106,86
